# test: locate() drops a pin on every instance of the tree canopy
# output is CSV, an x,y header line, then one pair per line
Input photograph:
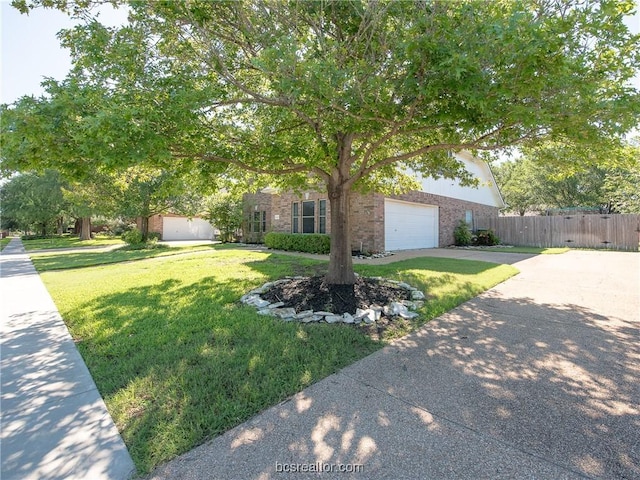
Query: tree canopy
x,y
345,95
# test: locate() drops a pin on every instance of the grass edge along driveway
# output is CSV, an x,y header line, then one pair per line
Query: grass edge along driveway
x,y
178,360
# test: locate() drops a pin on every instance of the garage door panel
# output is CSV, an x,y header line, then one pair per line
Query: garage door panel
x,y
180,228
410,225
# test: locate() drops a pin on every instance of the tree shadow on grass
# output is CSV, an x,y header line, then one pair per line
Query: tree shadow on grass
x,y
178,364
497,388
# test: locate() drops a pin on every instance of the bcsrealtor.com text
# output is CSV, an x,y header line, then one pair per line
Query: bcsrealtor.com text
x,y
319,467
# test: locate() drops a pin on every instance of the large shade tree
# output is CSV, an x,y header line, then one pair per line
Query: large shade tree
x,y
347,95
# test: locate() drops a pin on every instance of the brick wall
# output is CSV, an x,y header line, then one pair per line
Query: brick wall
x,y
155,224
281,216
256,202
367,222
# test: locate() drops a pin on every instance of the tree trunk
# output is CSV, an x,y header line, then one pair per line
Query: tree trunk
x,y
85,228
59,224
339,189
143,225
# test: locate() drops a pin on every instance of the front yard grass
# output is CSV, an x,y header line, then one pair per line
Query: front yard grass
x,y
46,261
4,242
178,360
67,241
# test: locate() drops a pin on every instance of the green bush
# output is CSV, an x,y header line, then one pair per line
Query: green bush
x,y
462,234
119,227
133,237
486,237
299,242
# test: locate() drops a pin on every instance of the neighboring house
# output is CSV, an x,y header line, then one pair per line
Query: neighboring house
x,y
177,227
418,219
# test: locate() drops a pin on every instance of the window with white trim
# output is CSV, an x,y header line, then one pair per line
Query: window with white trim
x,y
295,218
322,216
308,217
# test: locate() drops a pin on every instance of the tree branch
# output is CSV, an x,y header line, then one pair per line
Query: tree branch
x,y
289,167
476,144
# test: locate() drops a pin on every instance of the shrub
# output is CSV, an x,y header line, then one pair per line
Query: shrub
x,y
462,234
119,227
299,242
486,237
133,237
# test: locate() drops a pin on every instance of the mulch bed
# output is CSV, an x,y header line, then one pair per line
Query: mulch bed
x,y
312,293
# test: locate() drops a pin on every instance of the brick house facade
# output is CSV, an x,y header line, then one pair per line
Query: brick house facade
x,y
418,219
266,212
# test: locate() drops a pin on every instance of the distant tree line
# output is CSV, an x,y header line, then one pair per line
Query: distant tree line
x,y
604,180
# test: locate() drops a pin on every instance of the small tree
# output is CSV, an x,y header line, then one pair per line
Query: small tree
x,y
143,192
225,213
514,179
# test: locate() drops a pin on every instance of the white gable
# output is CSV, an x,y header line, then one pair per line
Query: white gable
x,y
486,193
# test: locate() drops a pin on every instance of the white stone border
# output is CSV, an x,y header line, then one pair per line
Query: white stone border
x,y
369,315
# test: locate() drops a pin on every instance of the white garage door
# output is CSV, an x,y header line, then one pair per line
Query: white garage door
x,y
180,228
410,225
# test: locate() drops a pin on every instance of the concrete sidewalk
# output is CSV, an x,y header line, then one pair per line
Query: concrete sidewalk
x,y
54,422
538,377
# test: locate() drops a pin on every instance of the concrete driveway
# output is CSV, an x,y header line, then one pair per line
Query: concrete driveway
x,y
537,378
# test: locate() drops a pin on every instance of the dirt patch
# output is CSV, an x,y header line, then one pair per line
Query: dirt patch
x,y
312,293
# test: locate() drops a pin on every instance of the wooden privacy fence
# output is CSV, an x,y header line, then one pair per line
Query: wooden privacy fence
x,y
617,232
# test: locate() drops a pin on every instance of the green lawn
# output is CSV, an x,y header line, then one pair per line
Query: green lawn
x,y
55,261
178,360
4,242
66,241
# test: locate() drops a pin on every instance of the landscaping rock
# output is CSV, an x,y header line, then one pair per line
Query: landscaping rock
x,y
395,308
417,295
333,318
367,316
374,289
248,297
284,312
260,303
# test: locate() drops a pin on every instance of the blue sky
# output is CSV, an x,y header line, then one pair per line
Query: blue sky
x,y
30,49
